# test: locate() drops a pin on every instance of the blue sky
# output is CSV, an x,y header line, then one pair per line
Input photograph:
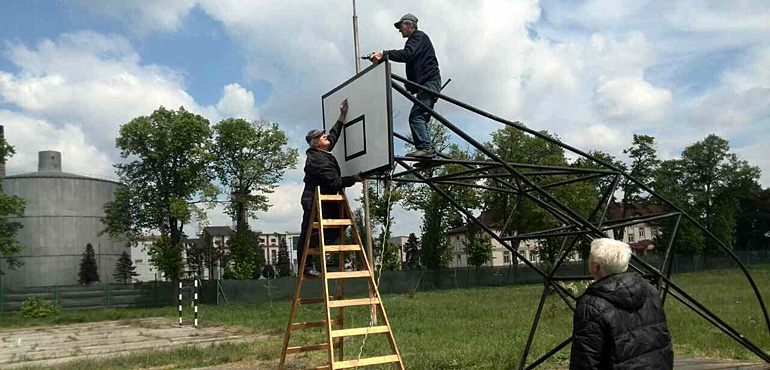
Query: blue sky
x,y
594,72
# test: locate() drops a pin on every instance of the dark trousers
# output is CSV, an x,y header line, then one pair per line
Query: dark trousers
x,y
330,210
419,117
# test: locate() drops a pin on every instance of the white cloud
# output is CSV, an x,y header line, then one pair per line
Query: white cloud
x,y
29,136
236,101
162,15
719,16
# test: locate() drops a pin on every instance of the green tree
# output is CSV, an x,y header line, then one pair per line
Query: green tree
x,y
251,158
512,145
124,269
478,246
243,260
88,270
436,251
168,165
413,252
10,206
284,259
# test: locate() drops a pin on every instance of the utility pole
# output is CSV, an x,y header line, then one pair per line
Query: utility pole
x,y
367,214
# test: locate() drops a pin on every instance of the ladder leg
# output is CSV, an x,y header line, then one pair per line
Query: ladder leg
x,y
322,246
341,286
300,275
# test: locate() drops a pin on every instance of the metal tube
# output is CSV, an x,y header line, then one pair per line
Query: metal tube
x,y
534,328
549,354
607,165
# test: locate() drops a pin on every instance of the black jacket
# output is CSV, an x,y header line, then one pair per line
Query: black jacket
x,y
322,169
420,59
619,324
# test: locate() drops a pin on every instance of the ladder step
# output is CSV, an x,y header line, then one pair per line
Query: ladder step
x,y
354,302
315,300
334,222
347,274
359,331
341,248
303,325
314,347
365,361
332,197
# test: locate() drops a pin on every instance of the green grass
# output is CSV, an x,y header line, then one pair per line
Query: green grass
x,y
457,329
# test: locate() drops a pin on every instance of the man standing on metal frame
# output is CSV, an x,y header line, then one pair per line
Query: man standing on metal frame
x,y
322,169
422,69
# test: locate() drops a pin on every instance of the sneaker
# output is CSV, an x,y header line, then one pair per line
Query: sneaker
x,y
421,154
311,273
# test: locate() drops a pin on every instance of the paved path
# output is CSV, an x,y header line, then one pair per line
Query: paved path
x,y
51,345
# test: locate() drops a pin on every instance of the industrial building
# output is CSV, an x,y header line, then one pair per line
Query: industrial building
x,y
63,214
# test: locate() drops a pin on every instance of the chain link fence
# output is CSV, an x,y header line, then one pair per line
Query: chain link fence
x,y
160,293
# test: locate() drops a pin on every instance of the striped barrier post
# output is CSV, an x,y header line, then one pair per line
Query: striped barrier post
x,y
180,303
195,303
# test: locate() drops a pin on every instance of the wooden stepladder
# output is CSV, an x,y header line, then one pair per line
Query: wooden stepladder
x,y
335,327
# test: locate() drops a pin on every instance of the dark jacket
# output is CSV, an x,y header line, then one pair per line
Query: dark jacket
x,y
420,59
619,324
322,169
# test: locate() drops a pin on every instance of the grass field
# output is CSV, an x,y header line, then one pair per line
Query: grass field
x,y
457,329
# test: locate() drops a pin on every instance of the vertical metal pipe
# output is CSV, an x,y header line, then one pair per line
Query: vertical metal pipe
x,y
108,292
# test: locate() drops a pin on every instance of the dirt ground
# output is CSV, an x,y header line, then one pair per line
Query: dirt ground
x,y
51,345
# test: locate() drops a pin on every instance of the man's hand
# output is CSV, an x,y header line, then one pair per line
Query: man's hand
x,y
377,57
343,110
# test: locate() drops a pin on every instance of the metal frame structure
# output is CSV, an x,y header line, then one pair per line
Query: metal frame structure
x,y
519,179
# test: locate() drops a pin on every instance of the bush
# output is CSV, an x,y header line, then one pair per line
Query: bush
x,y
37,307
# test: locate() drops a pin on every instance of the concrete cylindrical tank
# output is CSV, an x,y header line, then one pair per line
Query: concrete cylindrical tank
x,y
62,215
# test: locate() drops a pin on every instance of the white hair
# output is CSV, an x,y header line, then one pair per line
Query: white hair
x,y
611,255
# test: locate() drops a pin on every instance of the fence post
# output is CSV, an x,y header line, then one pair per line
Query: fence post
x,y
2,300
56,289
108,292
155,291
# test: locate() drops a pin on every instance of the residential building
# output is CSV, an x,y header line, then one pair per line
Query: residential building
x,y
639,236
144,268
501,256
400,241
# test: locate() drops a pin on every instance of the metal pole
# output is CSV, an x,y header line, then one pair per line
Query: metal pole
x,y
108,292
367,213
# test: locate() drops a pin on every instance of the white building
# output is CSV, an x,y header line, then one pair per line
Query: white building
x,y
639,236
501,256
146,270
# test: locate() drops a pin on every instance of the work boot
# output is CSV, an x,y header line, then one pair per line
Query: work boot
x,y
420,153
311,272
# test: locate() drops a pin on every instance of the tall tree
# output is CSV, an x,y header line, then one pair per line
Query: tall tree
x,y
478,246
124,269
436,251
10,206
644,163
167,166
251,158
242,260
88,270
413,251
284,259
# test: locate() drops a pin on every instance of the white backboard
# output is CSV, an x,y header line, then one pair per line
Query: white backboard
x,y
366,142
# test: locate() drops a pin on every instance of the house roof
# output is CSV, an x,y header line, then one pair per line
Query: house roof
x,y
642,244
616,210
218,231
485,218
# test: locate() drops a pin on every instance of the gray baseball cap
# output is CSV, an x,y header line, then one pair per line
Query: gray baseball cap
x,y
407,17
312,134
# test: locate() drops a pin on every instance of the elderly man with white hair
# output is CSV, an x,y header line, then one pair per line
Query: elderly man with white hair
x,y
619,321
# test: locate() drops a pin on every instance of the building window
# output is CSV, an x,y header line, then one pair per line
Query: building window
x,y
641,233
273,256
459,258
630,237
138,261
507,257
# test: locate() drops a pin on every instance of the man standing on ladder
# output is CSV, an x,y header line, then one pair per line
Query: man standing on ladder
x,y
422,69
322,169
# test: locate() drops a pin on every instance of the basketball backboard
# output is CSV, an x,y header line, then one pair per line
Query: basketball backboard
x,y
365,144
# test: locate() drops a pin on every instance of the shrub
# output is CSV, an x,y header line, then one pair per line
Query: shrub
x,y
37,307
